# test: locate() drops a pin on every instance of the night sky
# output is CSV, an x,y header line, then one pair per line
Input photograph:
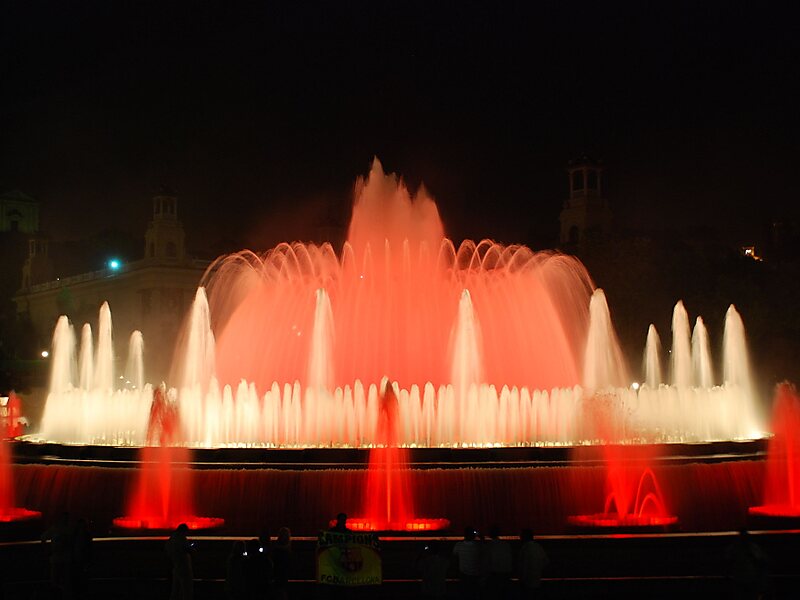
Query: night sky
x,y
261,116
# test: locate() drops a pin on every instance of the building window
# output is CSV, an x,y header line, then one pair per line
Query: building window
x,y
171,250
152,251
591,181
577,180
574,234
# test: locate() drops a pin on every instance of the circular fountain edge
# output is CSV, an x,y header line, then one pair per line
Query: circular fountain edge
x,y
30,452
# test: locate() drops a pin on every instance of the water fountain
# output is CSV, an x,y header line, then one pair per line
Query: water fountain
x,y
782,481
633,500
388,497
163,495
489,346
9,512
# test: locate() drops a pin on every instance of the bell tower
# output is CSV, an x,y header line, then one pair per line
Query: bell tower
x,y
586,214
164,240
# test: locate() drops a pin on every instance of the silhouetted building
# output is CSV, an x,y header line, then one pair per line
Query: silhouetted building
x,y
152,294
19,225
586,214
18,212
164,238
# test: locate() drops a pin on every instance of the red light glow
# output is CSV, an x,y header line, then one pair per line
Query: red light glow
x,y
782,481
616,521
193,523
360,524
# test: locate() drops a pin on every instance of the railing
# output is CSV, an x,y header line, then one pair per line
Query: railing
x,y
193,263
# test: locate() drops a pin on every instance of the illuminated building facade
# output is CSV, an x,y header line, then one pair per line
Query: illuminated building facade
x,y
151,294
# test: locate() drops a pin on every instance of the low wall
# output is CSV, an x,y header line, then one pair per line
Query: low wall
x,y
704,496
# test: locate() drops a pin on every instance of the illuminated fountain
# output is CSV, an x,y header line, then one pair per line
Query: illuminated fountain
x,y
782,481
633,498
163,496
490,345
388,498
9,512
486,346
84,405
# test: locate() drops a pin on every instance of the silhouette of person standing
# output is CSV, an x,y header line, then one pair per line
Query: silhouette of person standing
x,y
257,570
532,561
61,536
179,551
433,566
747,566
282,560
81,558
501,564
235,585
469,556
341,524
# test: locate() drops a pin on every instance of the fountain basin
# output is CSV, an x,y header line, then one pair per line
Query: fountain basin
x,y
416,525
775,510
14,515
157,524
607,522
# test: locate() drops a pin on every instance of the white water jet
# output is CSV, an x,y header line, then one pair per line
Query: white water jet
x,y
681,348
104,358
320,364
198,355
86,359
134,370
652,358
63,356
496,365
736,366
467,357
466,413
701,356
602,367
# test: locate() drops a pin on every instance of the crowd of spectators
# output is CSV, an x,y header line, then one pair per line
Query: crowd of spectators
x,y
484,567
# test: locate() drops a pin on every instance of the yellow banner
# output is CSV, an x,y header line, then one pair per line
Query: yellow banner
x,y
348,559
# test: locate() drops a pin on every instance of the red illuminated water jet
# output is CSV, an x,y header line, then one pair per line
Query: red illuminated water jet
x,y
634,502
633,497
388,500
162,498
782,480
8,429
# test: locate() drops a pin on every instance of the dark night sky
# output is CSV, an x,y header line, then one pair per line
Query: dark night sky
x,y
262,116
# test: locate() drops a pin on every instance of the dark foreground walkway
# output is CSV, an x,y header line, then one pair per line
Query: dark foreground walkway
x,y
649,566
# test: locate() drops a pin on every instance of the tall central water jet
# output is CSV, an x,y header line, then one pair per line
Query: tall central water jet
x,y
394,301
467,370
388,499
